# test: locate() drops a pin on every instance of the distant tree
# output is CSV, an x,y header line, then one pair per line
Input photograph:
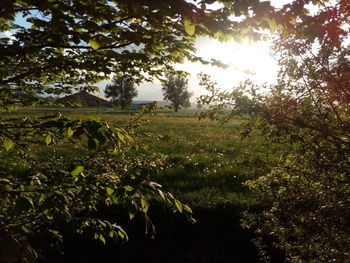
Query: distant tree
x,y
122,91
175,90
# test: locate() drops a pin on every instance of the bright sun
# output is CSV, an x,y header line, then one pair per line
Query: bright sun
x,y
245,61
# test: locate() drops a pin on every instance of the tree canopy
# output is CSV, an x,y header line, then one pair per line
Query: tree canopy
x,y
57,45
122,91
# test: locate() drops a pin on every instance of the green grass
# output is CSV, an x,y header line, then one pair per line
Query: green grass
x,y
204,164
205,160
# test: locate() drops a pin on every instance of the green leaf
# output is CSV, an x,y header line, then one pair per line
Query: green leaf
x,y
48,139
7,143
144,205
94,44
115,199
190,27
131,215
178,205
128,188
77,170
187,208
121,234
70,132
25,229
120,136
102,238
110,191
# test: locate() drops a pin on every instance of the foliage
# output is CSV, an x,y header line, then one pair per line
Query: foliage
x,y
37,193
50,47
175,90
122,91
304,119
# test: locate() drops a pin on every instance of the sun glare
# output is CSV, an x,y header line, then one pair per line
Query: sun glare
x,y
245,60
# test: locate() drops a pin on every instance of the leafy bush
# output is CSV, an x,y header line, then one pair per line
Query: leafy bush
x,y
42,184
304,189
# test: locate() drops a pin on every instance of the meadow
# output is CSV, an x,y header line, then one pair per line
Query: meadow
x,y
205,165
205,162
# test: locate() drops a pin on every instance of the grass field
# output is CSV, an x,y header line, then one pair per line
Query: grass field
x,y
205,166
205,161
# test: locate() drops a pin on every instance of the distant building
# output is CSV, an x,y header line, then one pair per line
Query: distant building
x,y
86,99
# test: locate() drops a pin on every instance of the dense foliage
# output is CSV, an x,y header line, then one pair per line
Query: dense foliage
x,y
43,187
304,186
175,90
122,91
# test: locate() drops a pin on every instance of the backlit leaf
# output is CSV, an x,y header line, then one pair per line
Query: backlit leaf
x,y
110,191
190,27
144,205
77,170
120,136
187,208
94,44
102,238
178,205
70,132
48,139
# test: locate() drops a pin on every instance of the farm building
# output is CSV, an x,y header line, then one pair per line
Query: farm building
x,y
85,99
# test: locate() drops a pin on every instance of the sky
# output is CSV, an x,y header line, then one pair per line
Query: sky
x,y
245,60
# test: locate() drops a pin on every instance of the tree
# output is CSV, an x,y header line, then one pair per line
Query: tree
x,y
122,91
175,90
302,184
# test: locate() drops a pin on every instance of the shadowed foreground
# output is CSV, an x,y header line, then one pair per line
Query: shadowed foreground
x,y
216,237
